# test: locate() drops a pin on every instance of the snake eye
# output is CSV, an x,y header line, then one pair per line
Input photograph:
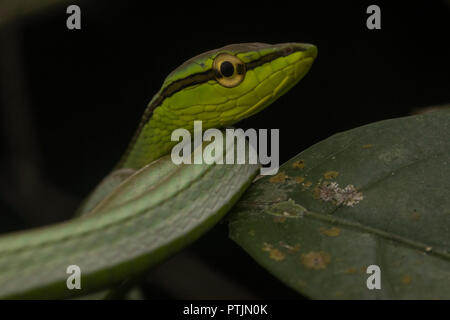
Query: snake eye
x,y
229,70
226,69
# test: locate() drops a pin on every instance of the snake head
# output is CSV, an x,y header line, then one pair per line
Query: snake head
x,y
219,87
223,86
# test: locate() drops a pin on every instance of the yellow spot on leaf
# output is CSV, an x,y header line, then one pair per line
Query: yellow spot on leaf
x,y
406,279
316,193
299,164
281,177
331,174
308,184
299,179
351,270
251,232
415,216
301,283
274,254
331,232
367,146
316,260
279,219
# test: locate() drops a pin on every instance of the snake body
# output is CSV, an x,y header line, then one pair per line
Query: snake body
x,y
149,207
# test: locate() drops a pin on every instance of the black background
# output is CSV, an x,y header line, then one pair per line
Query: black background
x,y
71,99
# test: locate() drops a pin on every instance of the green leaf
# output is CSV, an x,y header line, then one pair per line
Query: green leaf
x,y
375,195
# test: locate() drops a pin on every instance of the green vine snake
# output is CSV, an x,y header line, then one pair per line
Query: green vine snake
x,y
148,207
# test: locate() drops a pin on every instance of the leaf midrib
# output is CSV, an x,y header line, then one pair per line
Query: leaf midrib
x,y
333,220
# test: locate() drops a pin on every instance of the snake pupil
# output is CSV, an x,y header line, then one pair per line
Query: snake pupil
x,y
227,68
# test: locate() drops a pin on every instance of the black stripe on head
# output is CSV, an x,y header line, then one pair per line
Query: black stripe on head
x,y
272,56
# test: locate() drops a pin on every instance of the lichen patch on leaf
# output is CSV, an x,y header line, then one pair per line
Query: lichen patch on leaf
x,y
330,191
393,155
316,260
287,209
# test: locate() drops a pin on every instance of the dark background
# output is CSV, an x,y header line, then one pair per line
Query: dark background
x,y
71,100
